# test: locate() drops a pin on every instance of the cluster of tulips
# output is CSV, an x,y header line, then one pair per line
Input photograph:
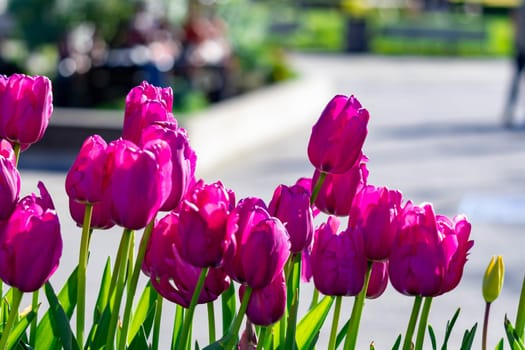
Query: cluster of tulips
x,y
199,243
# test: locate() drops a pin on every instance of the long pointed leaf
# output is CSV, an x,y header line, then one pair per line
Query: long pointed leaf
x,y
432,336
19,329
67,298
228,302
312,322
468,338
397,344
144,312
60,321
103,294
448,329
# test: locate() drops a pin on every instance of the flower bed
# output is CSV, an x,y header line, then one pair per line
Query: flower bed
x,y
200,243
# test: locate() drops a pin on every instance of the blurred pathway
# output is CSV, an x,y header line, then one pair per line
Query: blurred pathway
x,y
434,134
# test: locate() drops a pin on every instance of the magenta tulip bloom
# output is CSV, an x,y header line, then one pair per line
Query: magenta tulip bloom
x,y
146,104
27,104
456,244
338,260
203,238
338,136
375,211
259,247
378,279
266,305
100,216
85,179
137,181
9,187
417,262
6,151
30,243
183,159
172,276
337,192
291,205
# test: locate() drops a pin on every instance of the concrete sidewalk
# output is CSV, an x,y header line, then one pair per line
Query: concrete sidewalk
x,y
434,134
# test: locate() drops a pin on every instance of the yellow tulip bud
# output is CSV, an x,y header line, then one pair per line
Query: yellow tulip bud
x,y
493,279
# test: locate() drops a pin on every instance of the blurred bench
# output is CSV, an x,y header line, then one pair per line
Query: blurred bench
x,y
450,35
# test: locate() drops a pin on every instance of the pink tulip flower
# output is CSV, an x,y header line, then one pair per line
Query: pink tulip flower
x,y
137,181
338,260
337,191
338,136
291,205
378,279
85,179
417,261
259,246
266,305
146,104
30,242
375,211
203,238
9,187
100,216
172,276
26,103
183,159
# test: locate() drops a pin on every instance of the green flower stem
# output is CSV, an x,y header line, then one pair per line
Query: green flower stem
x,y
34,322
412,323
188,318
116,298
263,337
282,329
121,254
317,187
13,314
211,322
231,338
357,310
423,320
294,282
132,286
16,149
520,314
177,324
82,266
335,323
156,325
485,327
315,298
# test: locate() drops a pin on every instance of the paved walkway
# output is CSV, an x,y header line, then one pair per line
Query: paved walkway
x,y
434,134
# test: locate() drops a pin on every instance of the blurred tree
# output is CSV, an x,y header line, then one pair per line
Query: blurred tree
x,y
45,21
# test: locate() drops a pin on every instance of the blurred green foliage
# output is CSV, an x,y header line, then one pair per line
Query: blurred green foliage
x,y
41,22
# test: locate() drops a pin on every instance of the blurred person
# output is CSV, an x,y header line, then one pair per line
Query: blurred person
x,y
519,63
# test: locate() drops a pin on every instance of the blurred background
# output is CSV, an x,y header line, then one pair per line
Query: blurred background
x,y
211,50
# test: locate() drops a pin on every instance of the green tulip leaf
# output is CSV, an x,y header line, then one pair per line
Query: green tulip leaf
x,y
19,329
512,337
140,340
468,338
499,346
103,293
45,336
448,329
311,323
228,301
99,331
144,313
432,336
60,320
397,344
342,334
